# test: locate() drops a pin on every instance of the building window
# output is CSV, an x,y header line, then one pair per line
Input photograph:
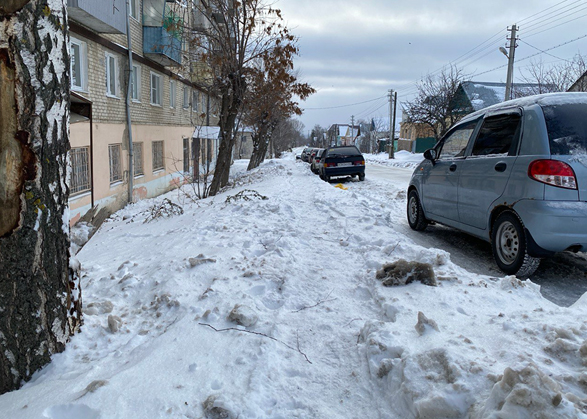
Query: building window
x,y
135,83
155,89
137,158
134,9
158,156
186,97
79,64
186,155
111,75
80,169
171,94
114,155
195,100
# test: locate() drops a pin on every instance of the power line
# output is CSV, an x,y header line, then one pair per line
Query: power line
x,y
344,106
550,17
551,7
544,52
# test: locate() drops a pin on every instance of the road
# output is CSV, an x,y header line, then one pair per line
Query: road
x,y
563,277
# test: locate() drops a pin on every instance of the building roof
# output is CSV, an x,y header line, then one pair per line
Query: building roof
x,y
207,132
483,94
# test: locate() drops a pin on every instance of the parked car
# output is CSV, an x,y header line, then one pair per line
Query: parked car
x,y
314,166
306,154
342,161
514,174
311,154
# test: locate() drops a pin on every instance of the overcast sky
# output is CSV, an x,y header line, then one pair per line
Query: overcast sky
x,y
355,51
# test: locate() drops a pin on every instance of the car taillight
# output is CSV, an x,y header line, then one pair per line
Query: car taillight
x,y
553,172
329,164
359,163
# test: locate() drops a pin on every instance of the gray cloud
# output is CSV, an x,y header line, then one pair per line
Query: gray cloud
x,y
355,51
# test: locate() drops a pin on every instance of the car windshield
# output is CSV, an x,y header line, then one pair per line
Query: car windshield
x,y
567,128
343,151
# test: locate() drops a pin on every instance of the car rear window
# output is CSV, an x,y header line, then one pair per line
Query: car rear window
x,y
344,151
567,128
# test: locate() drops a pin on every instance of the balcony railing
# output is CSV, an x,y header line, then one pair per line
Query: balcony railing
x,y
161,45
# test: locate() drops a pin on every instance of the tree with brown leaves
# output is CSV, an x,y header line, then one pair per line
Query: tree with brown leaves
x,y
273,85
229,38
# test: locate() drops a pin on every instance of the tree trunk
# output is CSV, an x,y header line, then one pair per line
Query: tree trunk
x,y
260,144
40,298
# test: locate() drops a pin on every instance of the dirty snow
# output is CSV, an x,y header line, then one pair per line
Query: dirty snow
x,y
245,307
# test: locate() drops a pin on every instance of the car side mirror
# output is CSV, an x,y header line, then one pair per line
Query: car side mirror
x,y
430,154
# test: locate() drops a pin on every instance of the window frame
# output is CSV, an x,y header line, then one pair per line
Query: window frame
x,y
172,90
77,187
186,97
115,178
137,157
135,92
134,9
494,133
158,166
156,92
195,100
472,125
111,79
83,64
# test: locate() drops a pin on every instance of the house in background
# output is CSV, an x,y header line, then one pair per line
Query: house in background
x,y
470,96
243,148
343,134
165,105
580,85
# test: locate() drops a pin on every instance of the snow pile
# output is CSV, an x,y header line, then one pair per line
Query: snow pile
x,y
246,307
401,158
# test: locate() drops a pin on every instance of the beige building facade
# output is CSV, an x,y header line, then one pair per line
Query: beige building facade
x,y
165,106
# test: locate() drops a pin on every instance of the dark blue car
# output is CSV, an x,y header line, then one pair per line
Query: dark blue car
x,y
342,161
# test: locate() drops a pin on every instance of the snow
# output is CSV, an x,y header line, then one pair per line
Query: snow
x,y
270,308
401,158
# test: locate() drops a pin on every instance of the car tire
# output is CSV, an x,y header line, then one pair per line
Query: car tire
x,y
361,176
416,218
509,245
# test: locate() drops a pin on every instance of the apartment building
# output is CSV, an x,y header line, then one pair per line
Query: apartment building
x,y
166,104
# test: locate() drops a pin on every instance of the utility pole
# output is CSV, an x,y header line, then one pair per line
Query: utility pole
x,y
352,130
391,123
510,76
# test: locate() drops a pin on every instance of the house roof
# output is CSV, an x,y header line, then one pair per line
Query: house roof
x,y
484,94
207,132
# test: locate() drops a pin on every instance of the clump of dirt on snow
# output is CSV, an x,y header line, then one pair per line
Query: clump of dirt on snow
x,y
528,390
213,409
403,272
243,315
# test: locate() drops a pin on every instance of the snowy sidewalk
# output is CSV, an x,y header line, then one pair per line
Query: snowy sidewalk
x,y
245,307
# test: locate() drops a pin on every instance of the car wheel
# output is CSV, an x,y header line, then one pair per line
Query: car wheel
x,y
509,245
361,176
416,217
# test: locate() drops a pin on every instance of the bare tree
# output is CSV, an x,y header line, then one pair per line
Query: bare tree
x,y
41,299
232,36
555,78
287,134
434,105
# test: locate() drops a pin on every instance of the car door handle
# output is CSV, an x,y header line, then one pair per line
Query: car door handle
x,y
452,167
500,167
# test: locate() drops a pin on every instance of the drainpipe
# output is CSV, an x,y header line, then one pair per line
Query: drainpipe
x,y
128,102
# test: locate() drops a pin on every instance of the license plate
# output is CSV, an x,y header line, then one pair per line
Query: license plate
x,y
344,164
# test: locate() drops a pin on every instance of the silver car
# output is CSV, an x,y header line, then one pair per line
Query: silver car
x,y
514,174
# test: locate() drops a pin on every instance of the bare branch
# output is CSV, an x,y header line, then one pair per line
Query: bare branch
x,y
258,334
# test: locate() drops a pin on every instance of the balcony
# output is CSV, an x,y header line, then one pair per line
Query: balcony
x,y
100,16
162,46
